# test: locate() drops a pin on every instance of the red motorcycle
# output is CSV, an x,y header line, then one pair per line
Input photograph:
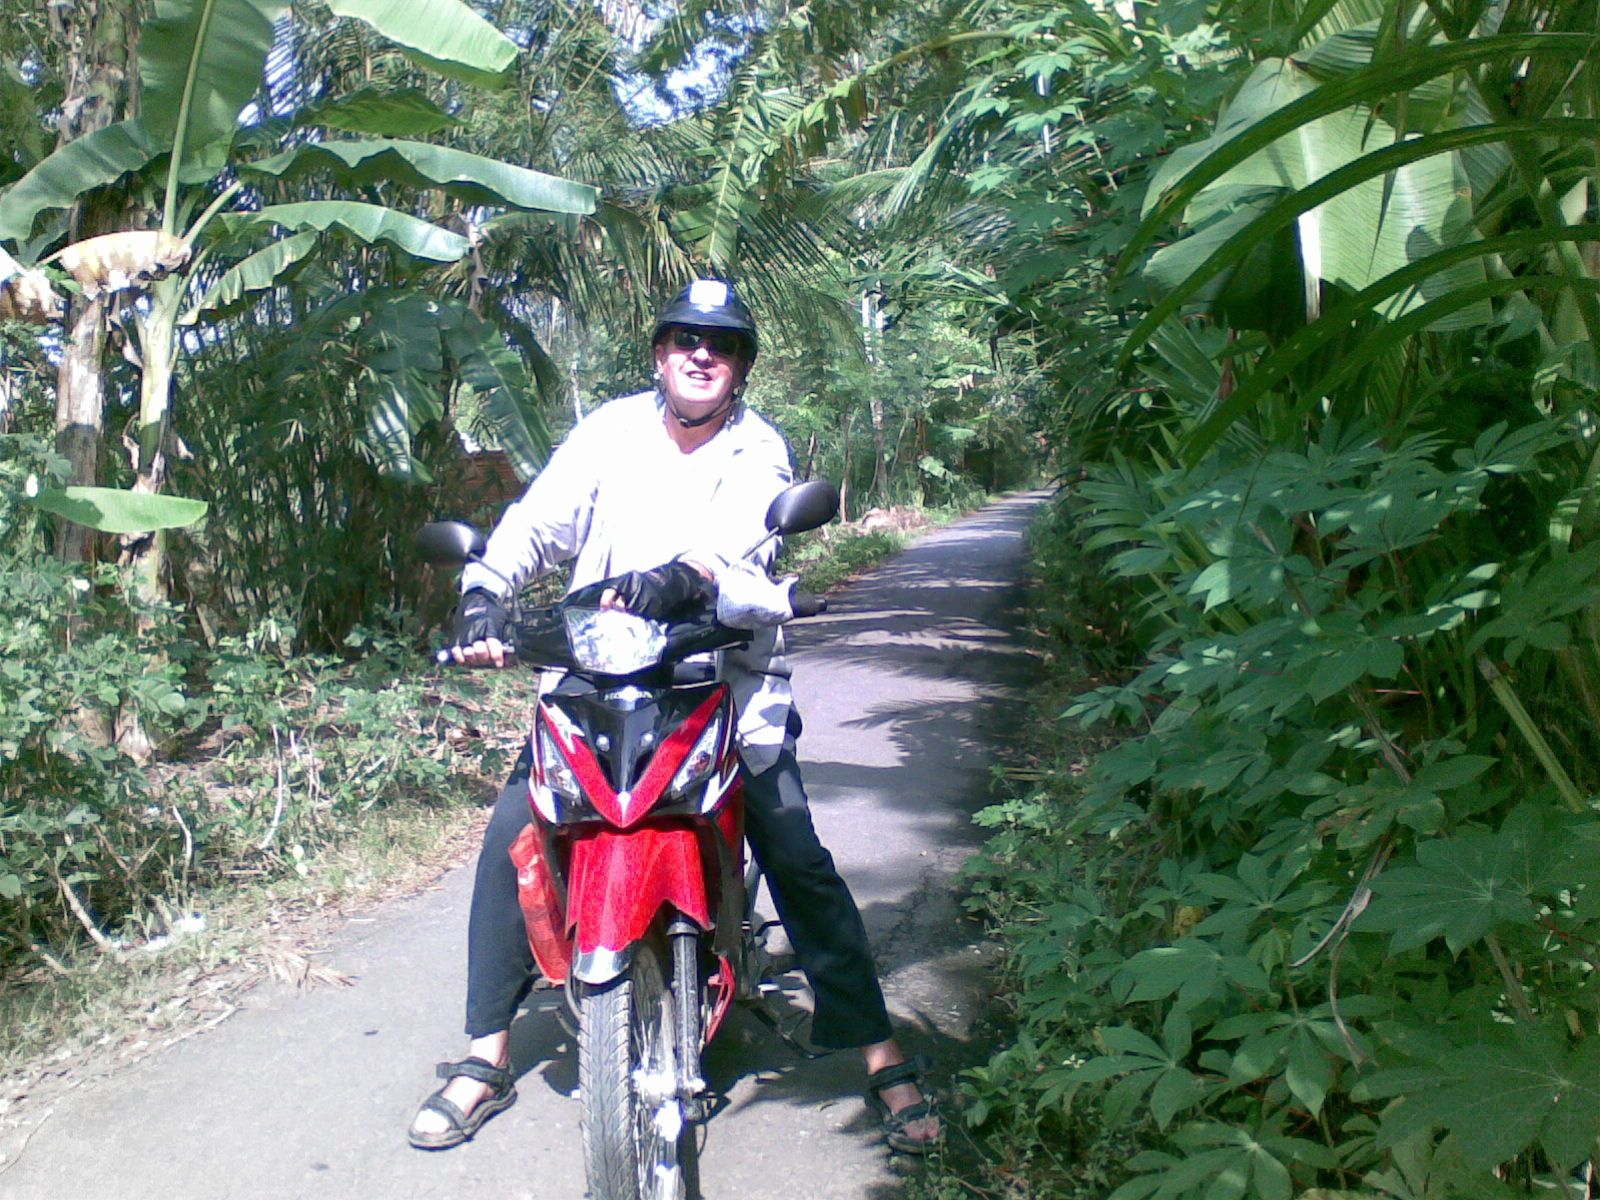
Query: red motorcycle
x,y
632,875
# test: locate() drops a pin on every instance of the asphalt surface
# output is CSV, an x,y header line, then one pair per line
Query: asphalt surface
x,y
904,685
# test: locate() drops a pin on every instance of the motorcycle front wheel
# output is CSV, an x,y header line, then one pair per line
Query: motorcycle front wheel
x,y
636,1142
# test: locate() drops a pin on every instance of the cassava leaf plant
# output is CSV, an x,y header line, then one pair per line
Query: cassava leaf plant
x,y
1320,917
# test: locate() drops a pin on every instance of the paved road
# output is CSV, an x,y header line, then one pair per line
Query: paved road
x,y
903,685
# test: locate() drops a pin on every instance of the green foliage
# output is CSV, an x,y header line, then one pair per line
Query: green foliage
x,y
1315,294
826,559
1313,730
77,647
266,753
468,177
924,417
111,510
441,35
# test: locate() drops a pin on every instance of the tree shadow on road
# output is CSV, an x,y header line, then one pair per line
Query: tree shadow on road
x,y
748,1050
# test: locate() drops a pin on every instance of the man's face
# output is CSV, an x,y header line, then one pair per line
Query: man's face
x,y
699,367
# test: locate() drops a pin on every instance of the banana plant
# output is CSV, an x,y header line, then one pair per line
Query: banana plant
x,y
192,158
1384,174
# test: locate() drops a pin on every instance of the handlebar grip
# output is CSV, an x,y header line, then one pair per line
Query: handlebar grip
x,y
443,658
808,604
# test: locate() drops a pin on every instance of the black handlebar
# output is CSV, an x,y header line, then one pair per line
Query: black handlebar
x,y
539,637
808,604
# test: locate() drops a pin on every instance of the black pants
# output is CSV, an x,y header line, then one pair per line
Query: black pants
x,y
813,902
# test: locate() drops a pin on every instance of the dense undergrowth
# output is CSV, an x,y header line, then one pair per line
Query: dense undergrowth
x,y
1300,895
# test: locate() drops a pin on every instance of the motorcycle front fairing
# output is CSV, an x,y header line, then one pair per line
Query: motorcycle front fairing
x,y
632,787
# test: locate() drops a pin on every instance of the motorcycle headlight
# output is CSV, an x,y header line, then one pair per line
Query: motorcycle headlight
x,y
554,768
701,761
609,641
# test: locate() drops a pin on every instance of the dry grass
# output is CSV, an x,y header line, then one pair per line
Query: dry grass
x,y
73,1019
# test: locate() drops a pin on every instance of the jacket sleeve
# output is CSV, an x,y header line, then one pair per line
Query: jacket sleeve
x,y
548,524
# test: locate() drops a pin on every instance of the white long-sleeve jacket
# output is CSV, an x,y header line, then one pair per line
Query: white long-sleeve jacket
x,y
618,495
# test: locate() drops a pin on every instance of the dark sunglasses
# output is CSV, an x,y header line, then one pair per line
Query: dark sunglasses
x,y
721,341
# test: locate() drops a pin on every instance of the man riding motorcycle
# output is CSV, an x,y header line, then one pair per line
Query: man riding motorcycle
x,y
683,473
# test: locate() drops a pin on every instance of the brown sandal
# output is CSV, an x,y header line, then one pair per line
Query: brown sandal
x,y
894,1123
464,1125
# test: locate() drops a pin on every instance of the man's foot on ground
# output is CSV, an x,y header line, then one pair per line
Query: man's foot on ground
x,y
464,1093
897,1092
453,1114
928,1130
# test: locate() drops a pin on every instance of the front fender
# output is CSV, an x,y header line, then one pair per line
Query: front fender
x,y
618,881
596,967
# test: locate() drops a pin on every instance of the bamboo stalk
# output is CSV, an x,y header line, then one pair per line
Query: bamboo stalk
x,y
1523,720
1519,998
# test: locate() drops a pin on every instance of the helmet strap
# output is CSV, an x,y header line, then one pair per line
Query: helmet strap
x,y
705,419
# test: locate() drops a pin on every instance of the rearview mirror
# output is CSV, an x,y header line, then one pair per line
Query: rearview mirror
x,y
804,506
450,543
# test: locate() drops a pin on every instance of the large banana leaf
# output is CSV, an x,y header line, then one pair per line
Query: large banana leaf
x,y
406,112
1368,166
471,177
1436,104
402,384
1323,19
1270,87
445,36
1366,231
112,510
501,382
86,163
200,63
369,222
1428,105
1262,289
264,269
1410,69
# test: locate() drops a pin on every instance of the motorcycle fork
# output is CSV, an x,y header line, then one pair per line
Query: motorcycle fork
x,y
683,936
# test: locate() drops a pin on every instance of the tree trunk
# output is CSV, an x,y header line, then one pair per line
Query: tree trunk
x,y
145,555
80,416
8,397
871,331
844,476
880,445
100,37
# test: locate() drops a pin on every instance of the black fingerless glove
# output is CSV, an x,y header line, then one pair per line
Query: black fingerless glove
x,y
479,617
666,593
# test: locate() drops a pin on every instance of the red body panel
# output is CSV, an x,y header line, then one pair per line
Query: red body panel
x,y
620,876
617,882
663,766
541,907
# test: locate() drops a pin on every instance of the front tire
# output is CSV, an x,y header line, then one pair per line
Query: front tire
x,y
636,1143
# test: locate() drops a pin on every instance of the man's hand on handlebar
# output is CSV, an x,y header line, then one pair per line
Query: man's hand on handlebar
x,y
669,592
482,623
491,652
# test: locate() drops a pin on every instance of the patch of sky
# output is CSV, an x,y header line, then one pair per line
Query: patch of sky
x,y
696,82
